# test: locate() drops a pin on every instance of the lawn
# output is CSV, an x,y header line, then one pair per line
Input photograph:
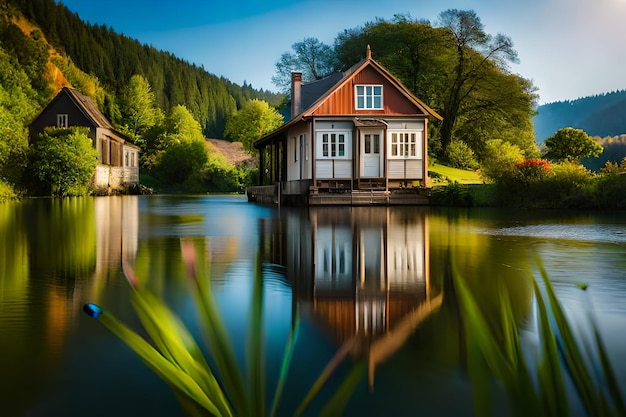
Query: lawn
x,y
442,175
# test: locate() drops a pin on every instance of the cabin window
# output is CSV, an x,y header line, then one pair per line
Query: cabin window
x,y
372,144
296,149
369,97
126,159
304,147
335,145
62,120
405,145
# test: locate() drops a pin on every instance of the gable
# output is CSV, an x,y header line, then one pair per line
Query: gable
x,y
342,100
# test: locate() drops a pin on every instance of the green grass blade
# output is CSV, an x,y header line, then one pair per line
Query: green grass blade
x,y
215,333
342,395
609,375
286,363
254,349
176,343
571,351
159,364
328,370
549,372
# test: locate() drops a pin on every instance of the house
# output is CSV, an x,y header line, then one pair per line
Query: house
x,y
118,158
357,137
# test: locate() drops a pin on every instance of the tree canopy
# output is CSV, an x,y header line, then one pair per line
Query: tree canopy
x,y
570,145
314,59
255,119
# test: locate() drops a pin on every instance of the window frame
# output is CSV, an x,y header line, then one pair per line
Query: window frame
x,y
333,143
62,120
368,99
405,144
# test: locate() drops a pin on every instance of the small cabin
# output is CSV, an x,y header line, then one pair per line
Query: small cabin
x,y
353,138
118,158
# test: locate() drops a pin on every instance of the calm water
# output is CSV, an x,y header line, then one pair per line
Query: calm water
x,y
344,272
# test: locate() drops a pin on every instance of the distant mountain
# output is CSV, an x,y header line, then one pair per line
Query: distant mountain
x,y
601,115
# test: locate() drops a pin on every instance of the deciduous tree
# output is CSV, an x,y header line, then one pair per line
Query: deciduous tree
x,y
255,119
570,145
314,59
138,108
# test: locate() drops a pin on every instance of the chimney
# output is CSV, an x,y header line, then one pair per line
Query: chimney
x,y
296,97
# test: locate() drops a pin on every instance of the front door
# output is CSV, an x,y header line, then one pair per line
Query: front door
x,y
370,154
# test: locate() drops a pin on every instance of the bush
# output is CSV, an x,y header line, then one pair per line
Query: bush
x,y
64,161
460,155
499,158
7,192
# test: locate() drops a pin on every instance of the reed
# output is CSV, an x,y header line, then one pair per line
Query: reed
x,y
225,388
562,371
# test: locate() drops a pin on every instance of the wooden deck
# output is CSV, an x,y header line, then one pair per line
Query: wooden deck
x,y
270,195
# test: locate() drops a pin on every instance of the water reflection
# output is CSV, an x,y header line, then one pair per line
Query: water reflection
x,y
361,271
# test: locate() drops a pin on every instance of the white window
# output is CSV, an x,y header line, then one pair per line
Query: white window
x,y
372,144
334,145
62,120
368,97
405,144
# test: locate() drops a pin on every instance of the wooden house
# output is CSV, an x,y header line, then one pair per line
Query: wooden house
x,y
356,137
118,158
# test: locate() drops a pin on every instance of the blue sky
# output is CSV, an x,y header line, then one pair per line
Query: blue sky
x,y
569,48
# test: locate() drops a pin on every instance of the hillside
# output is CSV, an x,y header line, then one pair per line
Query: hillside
x,y
112,59
602,115
233,152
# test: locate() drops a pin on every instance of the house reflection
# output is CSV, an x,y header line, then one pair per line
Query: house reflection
x,y
362,273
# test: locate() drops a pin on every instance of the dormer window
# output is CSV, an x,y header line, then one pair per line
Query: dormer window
x,y
62,120
369,97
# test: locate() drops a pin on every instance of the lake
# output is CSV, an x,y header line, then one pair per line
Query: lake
x,y
374,280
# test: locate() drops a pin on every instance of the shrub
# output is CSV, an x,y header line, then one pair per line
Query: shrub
x,y
460,155
7,192
532,171
64,160
499,158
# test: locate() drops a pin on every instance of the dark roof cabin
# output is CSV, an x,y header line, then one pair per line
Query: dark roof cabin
x,y
118,158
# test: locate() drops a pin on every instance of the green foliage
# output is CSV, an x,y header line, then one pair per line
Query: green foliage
x,y
537,385
64,159
255,119
180,160
138,109
179,149
459,155
30,52
570,145
500,158
221,386
17,105
7,192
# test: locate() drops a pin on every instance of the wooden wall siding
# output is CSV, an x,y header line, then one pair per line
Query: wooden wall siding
x,y
342,101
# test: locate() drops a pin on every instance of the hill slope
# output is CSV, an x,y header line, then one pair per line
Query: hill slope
x,y
601,115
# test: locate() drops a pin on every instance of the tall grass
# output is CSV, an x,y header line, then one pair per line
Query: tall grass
x,y
226,388
561,361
